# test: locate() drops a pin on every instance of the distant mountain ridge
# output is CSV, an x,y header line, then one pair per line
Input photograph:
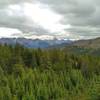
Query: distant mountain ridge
x,y
37,43
90,43
84,44
33,43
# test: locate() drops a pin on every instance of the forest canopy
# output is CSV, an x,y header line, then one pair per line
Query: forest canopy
x,y
48,74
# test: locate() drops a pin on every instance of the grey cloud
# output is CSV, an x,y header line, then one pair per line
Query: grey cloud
x,y
82,15
4,3
20,22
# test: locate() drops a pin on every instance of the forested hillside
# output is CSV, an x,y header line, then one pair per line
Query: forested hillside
x,y
51,74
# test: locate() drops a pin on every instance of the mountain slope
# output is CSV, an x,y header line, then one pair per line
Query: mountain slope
x,y
91,43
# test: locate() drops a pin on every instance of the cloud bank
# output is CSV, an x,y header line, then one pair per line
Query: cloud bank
x,y
69,19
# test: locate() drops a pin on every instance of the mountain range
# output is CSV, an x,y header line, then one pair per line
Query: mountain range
x,y
33,43
38,43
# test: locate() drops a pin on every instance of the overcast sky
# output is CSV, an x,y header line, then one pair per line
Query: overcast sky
x,y
69,19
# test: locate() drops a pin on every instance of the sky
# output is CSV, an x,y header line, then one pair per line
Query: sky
x,y
63,19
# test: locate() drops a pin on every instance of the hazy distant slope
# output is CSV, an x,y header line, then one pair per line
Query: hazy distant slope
x,y
91,43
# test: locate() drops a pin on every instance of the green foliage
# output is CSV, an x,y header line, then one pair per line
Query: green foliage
x,y
55,74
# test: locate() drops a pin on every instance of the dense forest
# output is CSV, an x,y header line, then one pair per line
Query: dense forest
x,y
48,74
